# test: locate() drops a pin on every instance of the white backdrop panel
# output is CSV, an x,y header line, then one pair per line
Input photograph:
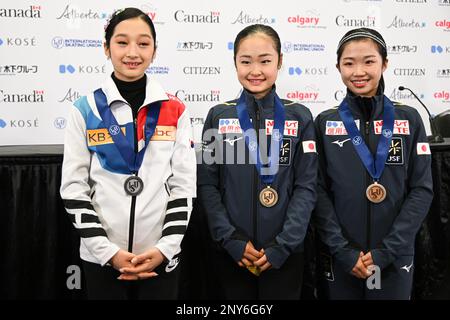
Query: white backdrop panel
x,y
51,53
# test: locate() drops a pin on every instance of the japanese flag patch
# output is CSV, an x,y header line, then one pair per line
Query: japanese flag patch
x,y
423,148
309,146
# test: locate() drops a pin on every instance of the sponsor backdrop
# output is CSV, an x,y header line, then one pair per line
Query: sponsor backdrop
x,y
51,54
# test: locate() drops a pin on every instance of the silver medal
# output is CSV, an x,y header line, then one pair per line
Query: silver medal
x,y
133,186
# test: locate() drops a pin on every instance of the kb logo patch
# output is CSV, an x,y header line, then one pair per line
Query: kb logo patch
x,y
395,155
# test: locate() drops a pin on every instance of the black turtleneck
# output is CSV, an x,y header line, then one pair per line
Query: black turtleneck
x,y
133,92
367,107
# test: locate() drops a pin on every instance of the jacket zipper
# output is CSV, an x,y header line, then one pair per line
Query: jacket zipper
x,y
133,198
256,187
132,216
368,182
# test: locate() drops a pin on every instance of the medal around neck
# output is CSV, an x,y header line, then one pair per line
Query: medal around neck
x,y
133,186
374,163
132,158
268,197
376,192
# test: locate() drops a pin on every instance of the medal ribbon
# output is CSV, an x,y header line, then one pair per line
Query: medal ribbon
x,y
126,149
252,143
375,168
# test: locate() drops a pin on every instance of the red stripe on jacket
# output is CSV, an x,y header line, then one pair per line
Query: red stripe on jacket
x,y
170,112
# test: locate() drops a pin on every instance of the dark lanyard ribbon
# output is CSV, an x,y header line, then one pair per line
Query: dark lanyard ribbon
x,y
375,168
126,149
252,142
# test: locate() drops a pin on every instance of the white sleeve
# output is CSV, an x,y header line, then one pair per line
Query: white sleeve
x,y
182,185
75,190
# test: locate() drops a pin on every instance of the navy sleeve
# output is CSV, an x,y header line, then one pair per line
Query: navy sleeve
x,y
413,211
302,200
209,186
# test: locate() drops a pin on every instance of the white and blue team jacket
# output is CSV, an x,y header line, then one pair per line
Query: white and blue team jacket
x,y
93,176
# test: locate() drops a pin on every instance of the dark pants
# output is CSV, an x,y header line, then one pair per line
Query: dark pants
x,y
274,284
102,284
395,282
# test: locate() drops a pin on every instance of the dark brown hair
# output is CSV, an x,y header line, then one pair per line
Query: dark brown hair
x,y
257,28
124,14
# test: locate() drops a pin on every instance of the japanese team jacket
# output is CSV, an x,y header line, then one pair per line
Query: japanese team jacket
x,y
230,192
346,220
93,177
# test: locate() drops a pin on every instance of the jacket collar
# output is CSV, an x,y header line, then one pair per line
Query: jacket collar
x,y
267,102
357,103
153,92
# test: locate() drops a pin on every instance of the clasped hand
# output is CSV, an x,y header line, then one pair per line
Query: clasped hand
x,y
364,266
137,267
253,257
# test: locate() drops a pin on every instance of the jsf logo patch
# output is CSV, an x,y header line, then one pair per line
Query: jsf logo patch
x,y
285,152
395,155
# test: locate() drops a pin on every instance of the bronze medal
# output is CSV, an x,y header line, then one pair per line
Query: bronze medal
x,y
376,192
268,197
133,186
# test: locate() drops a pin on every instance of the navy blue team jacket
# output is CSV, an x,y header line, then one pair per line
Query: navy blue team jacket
x,y
346,220
230,193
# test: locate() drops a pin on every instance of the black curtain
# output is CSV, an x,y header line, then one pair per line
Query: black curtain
x,y
432,263
38,242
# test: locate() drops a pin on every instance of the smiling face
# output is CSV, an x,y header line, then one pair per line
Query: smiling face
x,y
257,64
132,49
361,67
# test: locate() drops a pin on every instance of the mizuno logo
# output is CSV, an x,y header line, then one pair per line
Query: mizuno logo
x,y
341,143
232,141
407,268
